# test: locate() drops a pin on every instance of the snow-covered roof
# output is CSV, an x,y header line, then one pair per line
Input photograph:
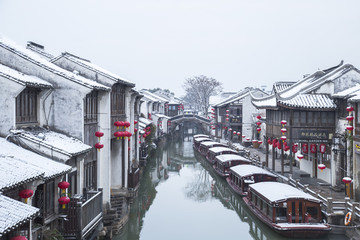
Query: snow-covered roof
x,y
280,86
56,141
211,143
231,157
347,93
277,192
14,213
23,79
93,67
239,95
301,94
36,59
145,121
15,172
29,160
161,116
38,49
153,97
202,139
221,149
200,135
248,170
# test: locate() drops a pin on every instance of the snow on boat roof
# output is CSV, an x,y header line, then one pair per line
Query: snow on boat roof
x,y
201,139
36,59
15,172
231,157
145,121
221,149
210,143
59,142
22,78
89,65
248,170
200,135
46,166
238,146
14,213
276,192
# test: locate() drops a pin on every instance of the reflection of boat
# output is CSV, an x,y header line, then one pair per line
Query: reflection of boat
x,y
286,209
242,176
197,141
216,151
224,162
205,146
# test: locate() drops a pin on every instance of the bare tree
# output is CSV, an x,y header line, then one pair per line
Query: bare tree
x,y
199,89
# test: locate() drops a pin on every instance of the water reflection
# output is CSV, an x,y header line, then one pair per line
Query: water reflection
x,y
180,197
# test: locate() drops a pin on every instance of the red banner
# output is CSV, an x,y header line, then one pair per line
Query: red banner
x,y
305,148
294,148
313,148
322,148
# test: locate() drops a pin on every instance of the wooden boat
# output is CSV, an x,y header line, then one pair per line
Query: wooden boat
x,y
197,141
242,176
224,162
205,146
216,151
201,135
287,210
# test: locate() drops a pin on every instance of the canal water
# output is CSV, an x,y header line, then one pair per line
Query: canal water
x,y
180,197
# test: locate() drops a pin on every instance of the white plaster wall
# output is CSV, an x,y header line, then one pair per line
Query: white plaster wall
x,y
347,80
116,174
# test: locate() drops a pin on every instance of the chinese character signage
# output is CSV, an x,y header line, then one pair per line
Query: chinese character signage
x,y
304,148
309,135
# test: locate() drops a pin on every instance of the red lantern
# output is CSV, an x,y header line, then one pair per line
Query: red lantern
x,y
313,148
350,109
234,132
243,136
322,148
169,123
227,115
274,142
18,238
117,135
260,142
258,129
349,128
247,139
258,123
227,111
279,145
269,141
283,122
99,146
350,118
63,185
128,148
63,201
135,130
99,134
227,119
238,133
135,122
300,156
305,148
254,141
321,166
26,193
286,148
126,124
118,124
230,129
347,180
149,116
283,138
294,148
258,117
283,130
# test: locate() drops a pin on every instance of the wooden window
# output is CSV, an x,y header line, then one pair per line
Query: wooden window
x,y
26,106
90,175
91,107
302,117
49,198
118,99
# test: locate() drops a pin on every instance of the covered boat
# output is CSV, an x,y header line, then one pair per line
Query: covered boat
x,y
205,146
224,162
201,136
197,141
216,151
288,210
241,176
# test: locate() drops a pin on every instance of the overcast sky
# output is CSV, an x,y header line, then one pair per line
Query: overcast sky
x,y
160,43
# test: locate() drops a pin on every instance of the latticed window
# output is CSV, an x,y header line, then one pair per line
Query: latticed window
x,y
118,99
26,106
91,107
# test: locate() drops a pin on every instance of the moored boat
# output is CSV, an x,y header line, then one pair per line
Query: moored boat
x,y
216,151
287,210
201,135
197,141
205,146
241,176
224,162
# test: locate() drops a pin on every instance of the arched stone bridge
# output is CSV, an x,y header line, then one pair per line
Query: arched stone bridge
x,y
189,124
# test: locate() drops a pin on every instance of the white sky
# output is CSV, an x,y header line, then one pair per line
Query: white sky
x,y
159,43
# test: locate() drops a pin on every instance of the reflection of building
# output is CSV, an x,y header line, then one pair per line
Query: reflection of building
x,y
313,117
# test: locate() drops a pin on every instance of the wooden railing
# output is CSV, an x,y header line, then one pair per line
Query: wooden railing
x,y
82,215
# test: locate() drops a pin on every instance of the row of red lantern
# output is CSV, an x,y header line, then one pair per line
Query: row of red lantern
x,y
119,124
121,135
64,199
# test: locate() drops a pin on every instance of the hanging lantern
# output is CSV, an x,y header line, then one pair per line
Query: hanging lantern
x,y
347,180
99,134
169,123
349,128
283,122
99,146
313,148
238,133
234,132
117,135
227,119
126,124
243,136
247,139
259,142
135,122
227,111
269,141
258,123
118,124
26,193
213,127
230,129
63,201
322,148
258,130
18,238
283,138
350,118
305,148
350,109
254,141
283,130
300,156
135,130
321,167
279,145
227,115
63,186
294,148
258,117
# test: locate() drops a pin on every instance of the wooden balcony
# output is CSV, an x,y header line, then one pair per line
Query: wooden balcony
x,y
82,215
